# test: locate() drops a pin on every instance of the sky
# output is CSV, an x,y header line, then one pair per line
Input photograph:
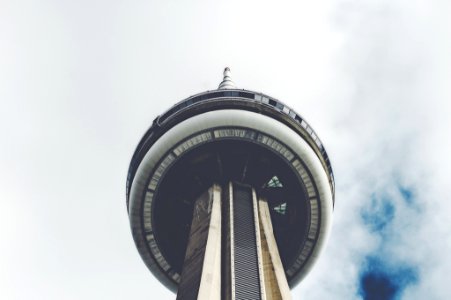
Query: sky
x,y
81,81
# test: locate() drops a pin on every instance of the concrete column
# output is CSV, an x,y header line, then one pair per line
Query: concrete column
x,y
201,274
276,284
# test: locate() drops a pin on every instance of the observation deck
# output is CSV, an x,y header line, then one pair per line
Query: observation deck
x,y
222,136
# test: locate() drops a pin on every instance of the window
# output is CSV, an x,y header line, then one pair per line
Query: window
x,y
281,209
274,182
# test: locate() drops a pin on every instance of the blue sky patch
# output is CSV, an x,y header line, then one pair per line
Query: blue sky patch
x,y
383,282
379,213
407,195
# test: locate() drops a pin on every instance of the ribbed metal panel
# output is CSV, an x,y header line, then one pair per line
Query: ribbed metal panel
x,y
247,281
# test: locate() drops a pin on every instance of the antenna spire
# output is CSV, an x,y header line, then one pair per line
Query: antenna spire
x,y
227,82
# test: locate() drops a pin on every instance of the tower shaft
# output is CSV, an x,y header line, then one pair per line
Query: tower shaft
x,y
250,265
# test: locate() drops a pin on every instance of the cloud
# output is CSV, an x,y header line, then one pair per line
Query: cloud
x,y
384,122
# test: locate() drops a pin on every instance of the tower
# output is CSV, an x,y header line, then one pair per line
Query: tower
x,y
230,195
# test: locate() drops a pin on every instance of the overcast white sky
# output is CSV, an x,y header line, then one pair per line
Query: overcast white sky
x,y
81,81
